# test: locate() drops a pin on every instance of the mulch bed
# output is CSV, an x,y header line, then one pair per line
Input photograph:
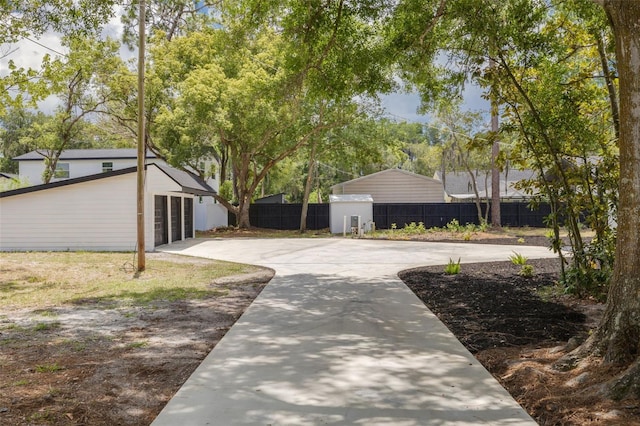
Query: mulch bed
x,y
489,305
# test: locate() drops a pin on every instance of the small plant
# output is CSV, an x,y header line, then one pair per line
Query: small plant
x,y
526,271
136,345
518,259
466,236
453,226
520,240
452,268
412,228
46,326
48,368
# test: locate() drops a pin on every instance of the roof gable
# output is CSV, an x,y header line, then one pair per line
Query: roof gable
x,y
386,172
189,183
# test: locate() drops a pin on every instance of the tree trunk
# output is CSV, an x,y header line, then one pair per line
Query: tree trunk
x,y
611,88
617,338
243,213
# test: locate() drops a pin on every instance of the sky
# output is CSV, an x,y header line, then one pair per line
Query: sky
x,y
404,106
399,106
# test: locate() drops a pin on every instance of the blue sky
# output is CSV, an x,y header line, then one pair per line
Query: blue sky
x,y
404,106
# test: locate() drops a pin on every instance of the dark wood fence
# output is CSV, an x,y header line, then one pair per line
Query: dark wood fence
x,y
287,216
439,214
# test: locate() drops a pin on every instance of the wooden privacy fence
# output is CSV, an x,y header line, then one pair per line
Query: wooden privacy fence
x,y
287,216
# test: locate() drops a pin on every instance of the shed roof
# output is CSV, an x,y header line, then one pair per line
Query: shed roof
x,y
87,154
190,183
350,198
388,171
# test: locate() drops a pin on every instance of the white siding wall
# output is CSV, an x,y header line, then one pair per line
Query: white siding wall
x,y
96,215
338,211
79,168
395,187
33,170
209,214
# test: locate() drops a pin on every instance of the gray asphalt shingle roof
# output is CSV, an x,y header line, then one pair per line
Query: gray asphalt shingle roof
x,y
190,183
87,154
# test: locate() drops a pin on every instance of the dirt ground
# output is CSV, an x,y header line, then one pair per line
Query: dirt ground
x,y
92,364
517,328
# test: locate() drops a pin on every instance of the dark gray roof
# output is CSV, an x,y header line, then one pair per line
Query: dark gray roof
x,y
87,154
190,183
459,183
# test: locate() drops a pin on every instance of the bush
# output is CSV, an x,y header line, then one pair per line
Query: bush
x,y
518,259
526,271
452,268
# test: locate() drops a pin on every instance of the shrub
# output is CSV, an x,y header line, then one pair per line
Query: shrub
x,y
518,259
526,271
453,226
452,268
412,228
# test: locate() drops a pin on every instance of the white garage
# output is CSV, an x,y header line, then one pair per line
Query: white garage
x,y
98,212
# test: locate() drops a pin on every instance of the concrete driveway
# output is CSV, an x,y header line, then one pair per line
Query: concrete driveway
x,y
336,338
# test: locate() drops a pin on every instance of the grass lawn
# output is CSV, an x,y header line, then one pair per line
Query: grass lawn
x,y
37,280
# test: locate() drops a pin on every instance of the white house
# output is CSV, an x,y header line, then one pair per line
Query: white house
x,y
459,185
76,163
99,212
394,186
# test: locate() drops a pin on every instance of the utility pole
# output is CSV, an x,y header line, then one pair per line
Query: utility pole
x,y
495,152
141,138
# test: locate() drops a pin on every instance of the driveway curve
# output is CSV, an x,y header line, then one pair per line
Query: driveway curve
x,y
336,338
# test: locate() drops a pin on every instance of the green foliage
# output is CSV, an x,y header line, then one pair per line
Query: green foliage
x,y
46,326
584,282
48,368
226,190
16,183
454,226
452,268
518,259
526,271
413,228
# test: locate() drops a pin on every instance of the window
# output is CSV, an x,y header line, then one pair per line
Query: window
x,y
107,167
62,171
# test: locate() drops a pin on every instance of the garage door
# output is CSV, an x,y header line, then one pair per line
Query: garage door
x,y
161,223
188,217
176,218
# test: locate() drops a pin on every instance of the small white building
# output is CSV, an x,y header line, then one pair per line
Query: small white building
x,y
350,211
76,163
99,212
394,186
